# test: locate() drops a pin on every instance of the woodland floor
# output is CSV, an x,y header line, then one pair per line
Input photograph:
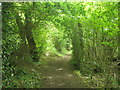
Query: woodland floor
x,y
59,74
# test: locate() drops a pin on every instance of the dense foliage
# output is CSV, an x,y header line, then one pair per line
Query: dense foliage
x,y
88,31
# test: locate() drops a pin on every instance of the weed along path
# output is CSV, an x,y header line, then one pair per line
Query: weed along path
x,y
59,74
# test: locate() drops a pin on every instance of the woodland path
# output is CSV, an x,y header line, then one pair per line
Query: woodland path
x,y
59,74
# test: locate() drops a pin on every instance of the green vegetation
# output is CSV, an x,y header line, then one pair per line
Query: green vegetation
x,y
87,31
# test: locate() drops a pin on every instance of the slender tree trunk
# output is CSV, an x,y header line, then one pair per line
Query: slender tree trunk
x,y
119,30
80,36
77,42
29,35
21,28
119,42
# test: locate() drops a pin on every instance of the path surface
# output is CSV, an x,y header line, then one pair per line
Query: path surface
x,y
59,74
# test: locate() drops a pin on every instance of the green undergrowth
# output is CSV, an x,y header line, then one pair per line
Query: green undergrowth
x,y
22,76
97,80
24,80
96,74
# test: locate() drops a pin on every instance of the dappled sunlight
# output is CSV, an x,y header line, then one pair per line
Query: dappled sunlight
x,y
49,77
69,75
60,69
61,84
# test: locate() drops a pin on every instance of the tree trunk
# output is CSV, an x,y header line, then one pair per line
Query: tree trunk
x,y
21,28
77,43
119,42
29,36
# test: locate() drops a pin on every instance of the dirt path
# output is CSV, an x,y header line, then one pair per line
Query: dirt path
x,y
59,74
